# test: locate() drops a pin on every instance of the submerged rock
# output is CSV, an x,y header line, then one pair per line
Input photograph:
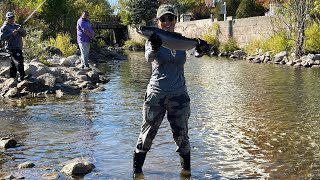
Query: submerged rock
x,y
7,142
26,165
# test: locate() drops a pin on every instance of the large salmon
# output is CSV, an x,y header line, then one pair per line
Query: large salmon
x,y
172,40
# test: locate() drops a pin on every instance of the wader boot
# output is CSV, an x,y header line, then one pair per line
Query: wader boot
x,y
185,165
138,160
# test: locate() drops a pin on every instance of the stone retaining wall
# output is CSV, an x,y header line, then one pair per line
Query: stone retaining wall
x,y
243,30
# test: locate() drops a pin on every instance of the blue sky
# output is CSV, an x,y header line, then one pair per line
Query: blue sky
x,y
112,1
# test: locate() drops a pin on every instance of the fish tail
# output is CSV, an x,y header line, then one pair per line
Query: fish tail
x,y
207,50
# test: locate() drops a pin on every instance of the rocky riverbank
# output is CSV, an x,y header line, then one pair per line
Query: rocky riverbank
x,y
64,76
282,58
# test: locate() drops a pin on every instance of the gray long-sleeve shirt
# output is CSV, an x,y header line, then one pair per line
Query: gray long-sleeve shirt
x,y
167,69
11,41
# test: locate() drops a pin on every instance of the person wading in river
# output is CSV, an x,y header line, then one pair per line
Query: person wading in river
x,y
12,34
166,93
85,33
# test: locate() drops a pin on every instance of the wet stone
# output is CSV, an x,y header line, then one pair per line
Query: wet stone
x,y
7,142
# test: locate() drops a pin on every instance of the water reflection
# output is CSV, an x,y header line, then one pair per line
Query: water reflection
x,y
248,121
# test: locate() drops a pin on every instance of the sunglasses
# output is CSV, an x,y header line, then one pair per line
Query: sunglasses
x,y
169,18
12,17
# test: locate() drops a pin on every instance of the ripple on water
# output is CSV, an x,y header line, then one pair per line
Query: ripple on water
x,y
247,122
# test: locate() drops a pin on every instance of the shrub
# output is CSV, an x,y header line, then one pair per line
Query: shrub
x,y
33,47
312,43
255,45
211,37
278,42
63,42
229,46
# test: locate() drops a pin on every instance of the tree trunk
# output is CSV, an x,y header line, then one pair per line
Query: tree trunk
x,y
301,11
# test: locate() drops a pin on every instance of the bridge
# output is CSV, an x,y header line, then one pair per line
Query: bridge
x,y
118,32
108,22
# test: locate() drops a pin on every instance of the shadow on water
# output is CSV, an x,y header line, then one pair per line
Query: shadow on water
x,y
248,121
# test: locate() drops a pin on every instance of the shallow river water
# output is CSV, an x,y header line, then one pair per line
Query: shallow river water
x,y
248,121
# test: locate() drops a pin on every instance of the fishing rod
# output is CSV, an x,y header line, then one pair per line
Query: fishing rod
x,y
33,13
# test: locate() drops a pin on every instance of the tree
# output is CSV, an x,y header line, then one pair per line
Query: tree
x,y
142,11
197,8
249,8
200,11
301,8
123,12
4,7
57,14
315,11
62,15
296,15
232,6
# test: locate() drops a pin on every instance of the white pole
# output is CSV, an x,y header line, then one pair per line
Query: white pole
x,y
224,11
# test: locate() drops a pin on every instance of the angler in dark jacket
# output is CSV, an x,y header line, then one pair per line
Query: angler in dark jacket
x,y
12,34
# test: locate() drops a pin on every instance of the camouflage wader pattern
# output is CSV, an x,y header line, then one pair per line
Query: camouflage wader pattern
x,y
156,105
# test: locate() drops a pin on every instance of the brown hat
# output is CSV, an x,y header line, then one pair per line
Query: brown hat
x,y
165,9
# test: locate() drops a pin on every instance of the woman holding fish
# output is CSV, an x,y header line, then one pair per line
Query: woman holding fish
x,y
166,93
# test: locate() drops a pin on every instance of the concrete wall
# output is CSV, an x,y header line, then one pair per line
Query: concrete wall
x,y
243,30
247,29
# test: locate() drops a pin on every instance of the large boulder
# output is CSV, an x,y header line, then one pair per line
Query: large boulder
x,y
30,85
77,167
48,80
280,56
63,89
69,61
53,50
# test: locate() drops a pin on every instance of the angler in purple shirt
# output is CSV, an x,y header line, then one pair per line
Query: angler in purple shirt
x,y
85,33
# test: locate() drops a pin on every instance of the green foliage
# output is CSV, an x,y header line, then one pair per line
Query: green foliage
x,y
96,8
312,43
3,9
211,36
315,11
275,43
142,11
33,45
123,12
23,8
278,42
62,15
63,42
58,15
249,8
133,44
107,38
254,45
232,6
229,46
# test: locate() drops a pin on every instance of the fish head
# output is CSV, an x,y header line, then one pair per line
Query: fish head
x,y
145,31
